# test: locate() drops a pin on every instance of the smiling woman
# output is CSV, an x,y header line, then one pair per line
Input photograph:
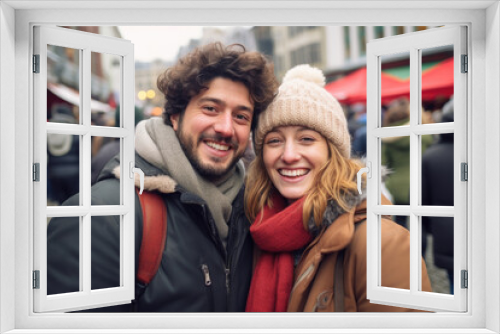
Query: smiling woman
x,y
307,215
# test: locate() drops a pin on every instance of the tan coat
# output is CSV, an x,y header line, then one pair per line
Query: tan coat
x,y
314,275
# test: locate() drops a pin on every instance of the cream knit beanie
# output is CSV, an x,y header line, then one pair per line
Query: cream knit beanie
x,y
302,100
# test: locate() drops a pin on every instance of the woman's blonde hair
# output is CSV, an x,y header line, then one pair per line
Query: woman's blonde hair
x,y
336,180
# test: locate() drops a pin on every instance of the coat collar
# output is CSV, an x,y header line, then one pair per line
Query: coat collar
x,y
340,233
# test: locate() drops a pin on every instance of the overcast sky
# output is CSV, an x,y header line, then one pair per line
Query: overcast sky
x,y
159,42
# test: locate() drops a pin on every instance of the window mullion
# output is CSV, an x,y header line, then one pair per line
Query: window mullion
x,y
414,158
85,149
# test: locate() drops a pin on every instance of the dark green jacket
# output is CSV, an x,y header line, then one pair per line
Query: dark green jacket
x,y
396,157
192,243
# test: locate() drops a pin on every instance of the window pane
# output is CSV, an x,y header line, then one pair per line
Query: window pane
x,y
105,88
395,89
105,149
63,85
63,267
394,273
437,249
437,84
396,160
437,171
63,167
106,249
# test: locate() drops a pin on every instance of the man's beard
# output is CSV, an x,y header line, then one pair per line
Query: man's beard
x,y
206,170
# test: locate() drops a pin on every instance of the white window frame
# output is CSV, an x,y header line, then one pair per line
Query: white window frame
x,y
85,43
413,44
483,21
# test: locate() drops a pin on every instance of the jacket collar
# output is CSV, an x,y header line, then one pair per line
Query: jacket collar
x,y
341,232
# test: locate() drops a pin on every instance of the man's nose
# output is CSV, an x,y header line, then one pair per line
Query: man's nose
x,y
224,124
290,153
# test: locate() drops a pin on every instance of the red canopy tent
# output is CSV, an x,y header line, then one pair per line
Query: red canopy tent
x,y
436,81
352,88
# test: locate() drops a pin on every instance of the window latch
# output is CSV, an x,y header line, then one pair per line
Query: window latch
x,y
368,171
134,170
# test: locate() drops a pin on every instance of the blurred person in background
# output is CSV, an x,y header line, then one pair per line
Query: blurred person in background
x,y
308,219
112,147
63,157
396,154
438,189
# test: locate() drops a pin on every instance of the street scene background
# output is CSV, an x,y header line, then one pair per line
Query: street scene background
x,y
339,51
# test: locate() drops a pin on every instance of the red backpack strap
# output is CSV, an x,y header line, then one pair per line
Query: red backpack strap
x,y
154,235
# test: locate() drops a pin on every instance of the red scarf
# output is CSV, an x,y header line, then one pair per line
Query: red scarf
x,y
277,231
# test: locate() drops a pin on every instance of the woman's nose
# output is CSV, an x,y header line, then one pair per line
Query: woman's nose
x,y
290,153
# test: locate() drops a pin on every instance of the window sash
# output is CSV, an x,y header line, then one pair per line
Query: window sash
x,y
85,43
413,298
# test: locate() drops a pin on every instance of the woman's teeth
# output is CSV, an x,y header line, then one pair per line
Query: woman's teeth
x,y
293,172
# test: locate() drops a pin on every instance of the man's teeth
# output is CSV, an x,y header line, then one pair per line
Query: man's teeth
x,y
218,146
294,172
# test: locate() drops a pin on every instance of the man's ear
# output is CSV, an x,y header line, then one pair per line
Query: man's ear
x,y
174,119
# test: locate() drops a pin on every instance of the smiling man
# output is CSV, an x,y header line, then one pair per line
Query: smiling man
x,y
191,158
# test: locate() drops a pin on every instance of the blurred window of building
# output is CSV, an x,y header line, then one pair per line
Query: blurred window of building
x,y
398,30
347,43
378,32
362,40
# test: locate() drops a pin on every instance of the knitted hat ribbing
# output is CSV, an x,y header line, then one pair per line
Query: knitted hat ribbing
x,y
303,101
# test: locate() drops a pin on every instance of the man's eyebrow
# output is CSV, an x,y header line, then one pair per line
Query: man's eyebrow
x,y
222,103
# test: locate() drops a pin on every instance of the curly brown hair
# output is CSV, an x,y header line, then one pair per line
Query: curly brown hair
x,y
196,70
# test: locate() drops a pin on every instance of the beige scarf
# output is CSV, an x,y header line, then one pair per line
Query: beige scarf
x,y
158,144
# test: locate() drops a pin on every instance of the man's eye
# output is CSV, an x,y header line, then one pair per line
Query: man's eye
x,y
242,117
209,108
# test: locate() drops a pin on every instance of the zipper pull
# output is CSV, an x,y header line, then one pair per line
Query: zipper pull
x,y
206,274
228,271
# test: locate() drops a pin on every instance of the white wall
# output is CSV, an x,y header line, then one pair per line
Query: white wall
x,y
492,163
7,159
485,153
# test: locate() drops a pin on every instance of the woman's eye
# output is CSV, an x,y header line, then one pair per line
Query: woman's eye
x,y
272,141
308,139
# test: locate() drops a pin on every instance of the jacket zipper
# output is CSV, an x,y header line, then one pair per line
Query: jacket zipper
x,y
206,275
229,257
228,271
